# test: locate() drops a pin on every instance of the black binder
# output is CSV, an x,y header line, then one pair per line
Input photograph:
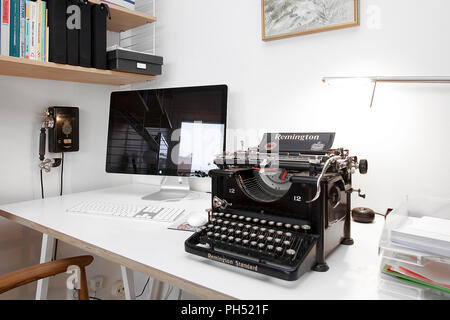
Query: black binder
x,y
85,39
57,28
73,51
100,13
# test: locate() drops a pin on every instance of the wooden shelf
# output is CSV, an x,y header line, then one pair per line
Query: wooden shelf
x,y
123,19
19,67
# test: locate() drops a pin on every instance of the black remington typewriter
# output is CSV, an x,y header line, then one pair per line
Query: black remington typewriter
x,y
281,208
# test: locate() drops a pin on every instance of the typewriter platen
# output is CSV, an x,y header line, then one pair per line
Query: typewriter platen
x,y
281,208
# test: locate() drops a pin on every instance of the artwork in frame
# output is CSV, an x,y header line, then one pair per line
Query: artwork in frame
x,y
288,18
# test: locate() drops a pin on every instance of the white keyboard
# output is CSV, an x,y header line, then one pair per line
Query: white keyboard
x,y
133,211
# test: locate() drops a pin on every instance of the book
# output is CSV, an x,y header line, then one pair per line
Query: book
x,y
22,28
42,30
5,27
38,31
33,29
27,29
14,40
427,234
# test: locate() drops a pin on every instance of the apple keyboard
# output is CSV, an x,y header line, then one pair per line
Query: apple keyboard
x,y
133,211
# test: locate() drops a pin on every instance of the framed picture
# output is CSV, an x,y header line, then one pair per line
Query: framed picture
x,y
288,18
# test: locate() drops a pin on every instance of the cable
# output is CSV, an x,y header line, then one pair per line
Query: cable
x,y
42,186
145,286
62,174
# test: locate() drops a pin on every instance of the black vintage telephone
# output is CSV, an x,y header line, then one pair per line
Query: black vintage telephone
x,y
62,124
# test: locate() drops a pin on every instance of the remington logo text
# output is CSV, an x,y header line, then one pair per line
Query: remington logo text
x,y
299,137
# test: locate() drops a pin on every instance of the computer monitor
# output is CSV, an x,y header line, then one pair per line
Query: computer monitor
x,y
170,132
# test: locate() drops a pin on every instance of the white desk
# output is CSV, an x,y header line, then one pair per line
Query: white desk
x,y
149,247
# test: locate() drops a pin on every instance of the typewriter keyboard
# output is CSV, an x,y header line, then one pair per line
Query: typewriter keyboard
x,y
263,240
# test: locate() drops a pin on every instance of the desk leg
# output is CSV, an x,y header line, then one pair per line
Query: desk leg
x,y
48,243
128,283
157,290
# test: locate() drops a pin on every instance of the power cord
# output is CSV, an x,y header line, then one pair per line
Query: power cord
x,y
145,286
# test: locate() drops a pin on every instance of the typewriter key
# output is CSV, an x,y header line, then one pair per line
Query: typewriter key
x,y
288,226
245,234
221,214
287,243
271,231
233,223
223,229
213,220
279,249
217,235
240,225
223,237
230,238
248,226
271,223
234,216
288,234
279,232
306,228
296,227
238,232
262,229
217,227
263,221
255,227
245,242
253,243
256,220
260,245
253,235
226,222
279,224
219,221
230,230
227,215
270,247
209,234
241,218
277,240
248,219
210,225
261,237
238,240
269,239
290,252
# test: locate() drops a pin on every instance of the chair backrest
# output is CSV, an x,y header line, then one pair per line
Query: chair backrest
x,y
21,277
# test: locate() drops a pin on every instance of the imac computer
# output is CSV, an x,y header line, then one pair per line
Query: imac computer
x,y
175,133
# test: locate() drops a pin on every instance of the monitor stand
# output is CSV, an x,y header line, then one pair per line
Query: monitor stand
x,y
172,189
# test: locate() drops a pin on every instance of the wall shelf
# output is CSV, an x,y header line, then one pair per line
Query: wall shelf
x,y
19,67
123,19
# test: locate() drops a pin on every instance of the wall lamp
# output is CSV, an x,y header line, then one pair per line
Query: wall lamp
x,y
376,80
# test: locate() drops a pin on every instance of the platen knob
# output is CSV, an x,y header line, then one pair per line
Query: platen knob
x,y
363,166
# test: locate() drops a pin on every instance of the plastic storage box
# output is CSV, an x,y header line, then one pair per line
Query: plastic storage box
x,y
426,264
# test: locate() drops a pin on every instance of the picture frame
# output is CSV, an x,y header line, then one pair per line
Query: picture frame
x,y
289,18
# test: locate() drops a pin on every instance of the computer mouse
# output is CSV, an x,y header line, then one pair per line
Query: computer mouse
x,y
197,220
363,215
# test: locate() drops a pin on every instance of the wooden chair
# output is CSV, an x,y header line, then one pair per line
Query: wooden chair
x,y
21,277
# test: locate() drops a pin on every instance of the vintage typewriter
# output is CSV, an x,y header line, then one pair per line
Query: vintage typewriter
x,y
281,208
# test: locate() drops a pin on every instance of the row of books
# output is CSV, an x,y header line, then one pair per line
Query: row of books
x,y
24,31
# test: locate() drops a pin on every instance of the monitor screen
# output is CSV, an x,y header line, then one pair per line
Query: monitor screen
x,y
169,132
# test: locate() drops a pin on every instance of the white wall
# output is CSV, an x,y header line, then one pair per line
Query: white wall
x,y
277,85
22,102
